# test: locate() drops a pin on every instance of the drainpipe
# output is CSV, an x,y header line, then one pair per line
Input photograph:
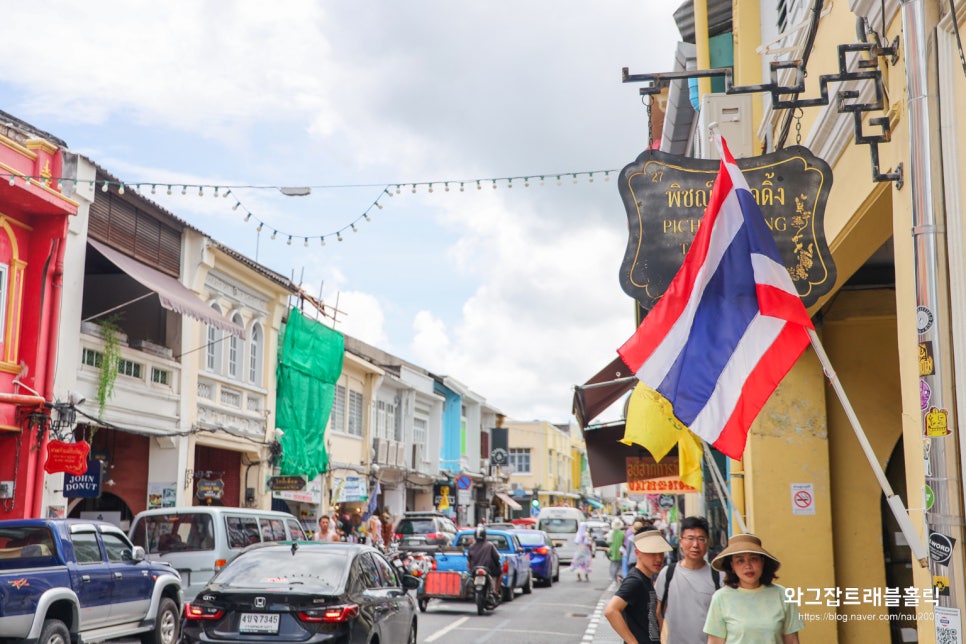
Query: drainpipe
x,y
49,362
941,441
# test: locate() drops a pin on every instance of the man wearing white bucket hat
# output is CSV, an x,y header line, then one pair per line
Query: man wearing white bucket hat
x,y
632,611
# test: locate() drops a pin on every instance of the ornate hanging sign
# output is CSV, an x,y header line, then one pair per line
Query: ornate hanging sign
x,y
665,197
67,457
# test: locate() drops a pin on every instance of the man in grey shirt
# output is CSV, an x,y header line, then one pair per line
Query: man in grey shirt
x,y
683,603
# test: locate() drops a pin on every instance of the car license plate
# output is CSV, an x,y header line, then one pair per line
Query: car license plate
x,y
258,623
558,544
479,580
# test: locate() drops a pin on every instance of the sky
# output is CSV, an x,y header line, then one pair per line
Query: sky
x,y
512,290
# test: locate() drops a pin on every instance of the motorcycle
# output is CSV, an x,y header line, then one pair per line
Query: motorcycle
x,y
484,594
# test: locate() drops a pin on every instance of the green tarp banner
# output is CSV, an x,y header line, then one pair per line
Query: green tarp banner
x,y
309,365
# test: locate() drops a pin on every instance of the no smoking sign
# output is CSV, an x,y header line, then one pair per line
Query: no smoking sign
x,y
803,498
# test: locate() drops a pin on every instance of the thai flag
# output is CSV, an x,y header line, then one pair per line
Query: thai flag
x,y
729,326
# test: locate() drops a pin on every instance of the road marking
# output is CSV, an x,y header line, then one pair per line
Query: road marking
x,y
452,627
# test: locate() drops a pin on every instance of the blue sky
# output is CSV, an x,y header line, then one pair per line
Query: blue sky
x,y
512,291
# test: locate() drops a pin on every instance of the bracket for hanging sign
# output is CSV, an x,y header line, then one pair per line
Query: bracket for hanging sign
x,y
868,70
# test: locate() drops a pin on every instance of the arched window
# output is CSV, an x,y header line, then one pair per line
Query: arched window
x,y
213,355
236,351
255,355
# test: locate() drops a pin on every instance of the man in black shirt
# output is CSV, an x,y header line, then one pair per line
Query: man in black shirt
x,y
483,553
632,611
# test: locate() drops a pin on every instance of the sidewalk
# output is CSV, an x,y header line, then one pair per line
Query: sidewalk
x,y
599,630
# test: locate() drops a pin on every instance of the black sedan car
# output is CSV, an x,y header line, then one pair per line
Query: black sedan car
x,y
304,592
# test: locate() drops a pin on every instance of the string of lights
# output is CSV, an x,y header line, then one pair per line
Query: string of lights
x,y
385,190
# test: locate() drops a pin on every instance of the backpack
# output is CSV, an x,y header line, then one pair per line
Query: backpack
x,y
715,576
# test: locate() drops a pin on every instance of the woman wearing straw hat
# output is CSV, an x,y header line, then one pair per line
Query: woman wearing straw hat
x,y
749,607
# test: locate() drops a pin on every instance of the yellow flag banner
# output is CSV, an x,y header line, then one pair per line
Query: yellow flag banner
x,y
651,424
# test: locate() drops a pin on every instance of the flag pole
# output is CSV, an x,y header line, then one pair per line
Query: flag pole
x,y
898,509
719,483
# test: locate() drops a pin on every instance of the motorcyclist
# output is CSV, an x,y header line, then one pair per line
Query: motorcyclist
x,y
483,553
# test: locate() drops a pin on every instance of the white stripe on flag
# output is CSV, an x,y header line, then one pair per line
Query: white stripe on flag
x,y
770,272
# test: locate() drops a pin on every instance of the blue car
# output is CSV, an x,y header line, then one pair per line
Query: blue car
x,y
544,562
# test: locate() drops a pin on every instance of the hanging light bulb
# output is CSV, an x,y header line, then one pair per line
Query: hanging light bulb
x,y
430,187
365,216
184,190
478,186
526,182
322,240
169,190
494,184
606,175
339,235
201,191
120,189
387,192
378,205
558,179
247,217
461,187
227,192
575,177
153,188
306,244
11,180
414,188
259,229
541,181
274,232
397,188
289,240
446,186
103,188
235,207
509,183
353,226
591,175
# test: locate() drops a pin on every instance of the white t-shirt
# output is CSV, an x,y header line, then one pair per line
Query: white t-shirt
x,y
688,599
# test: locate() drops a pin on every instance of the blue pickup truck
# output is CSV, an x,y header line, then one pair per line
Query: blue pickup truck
x,y
516,562
68,580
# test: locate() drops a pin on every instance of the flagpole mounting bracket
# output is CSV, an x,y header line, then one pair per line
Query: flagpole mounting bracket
x,y
852,71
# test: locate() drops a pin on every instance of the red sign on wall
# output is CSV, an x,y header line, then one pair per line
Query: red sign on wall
x,y
67,457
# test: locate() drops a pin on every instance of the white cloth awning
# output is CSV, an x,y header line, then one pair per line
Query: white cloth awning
x,y
509,501
172,294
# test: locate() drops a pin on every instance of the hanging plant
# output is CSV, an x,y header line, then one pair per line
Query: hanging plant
x,y
109,363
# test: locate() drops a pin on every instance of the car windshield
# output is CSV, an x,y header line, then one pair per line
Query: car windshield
x,y
309,569
416,526
174,532
531,538
559,526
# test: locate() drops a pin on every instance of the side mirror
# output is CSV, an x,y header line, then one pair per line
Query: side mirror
x,y
137,554
410,582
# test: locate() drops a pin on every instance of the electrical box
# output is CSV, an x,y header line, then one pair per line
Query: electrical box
x,y
6,489
732,113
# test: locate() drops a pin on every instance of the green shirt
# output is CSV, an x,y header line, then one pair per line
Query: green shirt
x,y
616,541
759,616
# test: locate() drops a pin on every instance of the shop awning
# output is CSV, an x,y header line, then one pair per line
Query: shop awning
x,y
510,502
172,294
601,391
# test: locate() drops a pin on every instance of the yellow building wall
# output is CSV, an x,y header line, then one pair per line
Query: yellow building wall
x,y
859,334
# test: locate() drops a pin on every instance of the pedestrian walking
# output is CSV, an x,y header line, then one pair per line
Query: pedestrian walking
x,y
750,607
615,549
684,588
632,611
326,534
584,556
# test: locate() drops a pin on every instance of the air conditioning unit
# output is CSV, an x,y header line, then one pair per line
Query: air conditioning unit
x,y
732,113
381,449
397,455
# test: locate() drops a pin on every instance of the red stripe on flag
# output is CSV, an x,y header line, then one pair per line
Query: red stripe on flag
x,y
776,303
771,368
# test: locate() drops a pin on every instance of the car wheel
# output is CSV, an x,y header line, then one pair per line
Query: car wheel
x,y
166,625
528,588
557,576
508,592
54,632
548,582
423,603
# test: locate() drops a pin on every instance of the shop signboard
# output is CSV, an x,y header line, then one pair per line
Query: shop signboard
x,y
86,485
311,493
210,489
67,457
351,489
